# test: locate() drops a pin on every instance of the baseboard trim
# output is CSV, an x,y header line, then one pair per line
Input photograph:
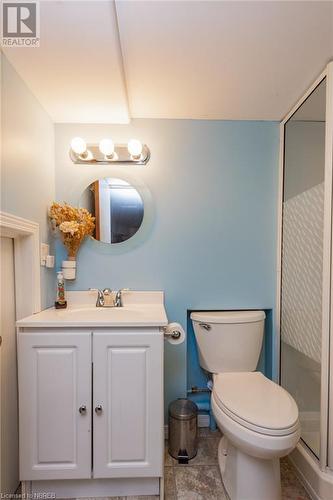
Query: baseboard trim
x,y
94,488
203,420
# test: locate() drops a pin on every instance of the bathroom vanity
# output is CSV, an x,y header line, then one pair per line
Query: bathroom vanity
x,y
91,397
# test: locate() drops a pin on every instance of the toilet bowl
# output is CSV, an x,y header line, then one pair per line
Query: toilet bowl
x,y
258,418
259,421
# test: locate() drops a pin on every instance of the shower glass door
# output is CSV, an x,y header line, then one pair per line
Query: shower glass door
x,y
302,261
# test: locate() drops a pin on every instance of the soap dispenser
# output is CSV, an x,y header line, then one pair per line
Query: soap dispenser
x,y
60,302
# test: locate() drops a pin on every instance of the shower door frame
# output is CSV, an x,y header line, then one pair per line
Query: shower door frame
x,y
325,462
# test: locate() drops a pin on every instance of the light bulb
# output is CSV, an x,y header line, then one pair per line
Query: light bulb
x,y
106,147
134,148
87,156
78,145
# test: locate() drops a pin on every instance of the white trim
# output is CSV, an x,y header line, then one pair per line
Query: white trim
x,y
162,487
203,420
305,96
326,299
327,283
276,360
96,488
327,341
27,263
316,476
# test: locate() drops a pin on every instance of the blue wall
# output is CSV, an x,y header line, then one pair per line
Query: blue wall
x,y
213,241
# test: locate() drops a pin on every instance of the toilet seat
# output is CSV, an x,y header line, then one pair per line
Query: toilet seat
x,y
255,402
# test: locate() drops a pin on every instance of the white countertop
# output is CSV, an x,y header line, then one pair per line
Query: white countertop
x,y
140,309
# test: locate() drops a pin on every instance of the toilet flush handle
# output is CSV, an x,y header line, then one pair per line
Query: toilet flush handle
x,y
206,326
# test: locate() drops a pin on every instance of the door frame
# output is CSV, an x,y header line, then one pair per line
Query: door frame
x,y
326,455
25,234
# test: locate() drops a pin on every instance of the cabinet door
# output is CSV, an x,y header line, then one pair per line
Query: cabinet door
x,y
54,384
128,404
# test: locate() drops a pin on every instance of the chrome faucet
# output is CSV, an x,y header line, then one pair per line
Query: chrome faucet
x,y
119,297
104,297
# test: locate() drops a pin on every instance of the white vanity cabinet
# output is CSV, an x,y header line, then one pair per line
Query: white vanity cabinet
x,y
90,393
54,375
91,397
128,399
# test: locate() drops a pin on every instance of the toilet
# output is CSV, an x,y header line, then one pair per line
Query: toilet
x,y
258,418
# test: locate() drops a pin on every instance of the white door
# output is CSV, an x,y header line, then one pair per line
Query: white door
x,y
55,404
128,403
9,474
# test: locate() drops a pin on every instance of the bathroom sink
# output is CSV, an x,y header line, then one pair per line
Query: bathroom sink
x,y
111,313
101,310
140,309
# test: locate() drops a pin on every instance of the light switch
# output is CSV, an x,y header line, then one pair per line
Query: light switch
x,y
44,252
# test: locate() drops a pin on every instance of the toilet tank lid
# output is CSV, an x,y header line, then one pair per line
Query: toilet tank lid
x,y
228,316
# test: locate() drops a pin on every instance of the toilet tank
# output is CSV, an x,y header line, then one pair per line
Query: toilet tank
x,y
229,341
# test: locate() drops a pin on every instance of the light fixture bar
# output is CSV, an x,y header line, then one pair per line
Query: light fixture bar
x,y
121,155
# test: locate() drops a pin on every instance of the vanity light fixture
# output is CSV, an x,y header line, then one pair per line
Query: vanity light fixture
x,y
106,147
106,152
79,147
134,148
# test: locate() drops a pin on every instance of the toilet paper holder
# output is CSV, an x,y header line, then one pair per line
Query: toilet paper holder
x,y
174,334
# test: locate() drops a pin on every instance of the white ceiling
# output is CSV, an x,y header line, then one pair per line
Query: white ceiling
x,y
76,73
106,62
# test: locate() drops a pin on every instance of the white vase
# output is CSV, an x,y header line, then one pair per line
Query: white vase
x,y
69,269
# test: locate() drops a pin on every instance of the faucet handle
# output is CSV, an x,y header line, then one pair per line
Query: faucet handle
x,y
100,296
118,301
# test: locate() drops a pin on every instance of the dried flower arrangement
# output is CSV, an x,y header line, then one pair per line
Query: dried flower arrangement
x,y
74,224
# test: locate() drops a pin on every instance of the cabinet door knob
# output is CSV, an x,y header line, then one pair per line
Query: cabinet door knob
x,y
98,409
83,409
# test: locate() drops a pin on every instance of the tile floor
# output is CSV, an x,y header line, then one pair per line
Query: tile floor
x,y
201,480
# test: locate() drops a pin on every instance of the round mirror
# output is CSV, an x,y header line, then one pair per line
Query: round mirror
x,y
117,207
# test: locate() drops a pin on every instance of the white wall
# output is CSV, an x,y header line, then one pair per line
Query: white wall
x,y
27,160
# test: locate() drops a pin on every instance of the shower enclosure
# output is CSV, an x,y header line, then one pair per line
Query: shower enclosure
x,y
305,278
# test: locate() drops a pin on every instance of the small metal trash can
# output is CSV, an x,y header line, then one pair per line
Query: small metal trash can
x,y
183,433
